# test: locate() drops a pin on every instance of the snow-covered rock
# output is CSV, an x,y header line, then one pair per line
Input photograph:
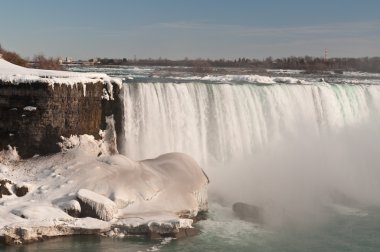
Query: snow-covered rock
x,y
9,155
11,73
96,205
155,225
71,207
40,230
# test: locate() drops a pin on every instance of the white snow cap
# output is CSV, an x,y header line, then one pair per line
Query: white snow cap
x,y
17,74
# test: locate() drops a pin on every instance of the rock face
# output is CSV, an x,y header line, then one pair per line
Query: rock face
x,y
35,115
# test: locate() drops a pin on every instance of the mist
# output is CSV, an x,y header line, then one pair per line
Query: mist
x,y
302,179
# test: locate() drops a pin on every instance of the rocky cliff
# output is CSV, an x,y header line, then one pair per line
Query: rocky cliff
x,y
33,116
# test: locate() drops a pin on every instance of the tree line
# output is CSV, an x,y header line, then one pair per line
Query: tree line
x,y
39,61
307,63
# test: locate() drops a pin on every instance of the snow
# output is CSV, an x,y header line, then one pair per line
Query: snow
x,y
14,74
9,155
104,207
36,211
138,195
257,79
30,108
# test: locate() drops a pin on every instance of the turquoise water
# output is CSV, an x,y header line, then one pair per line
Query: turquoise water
x,y
224,233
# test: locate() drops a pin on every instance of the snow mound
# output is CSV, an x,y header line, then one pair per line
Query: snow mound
x,y
80,145
96,205
40,212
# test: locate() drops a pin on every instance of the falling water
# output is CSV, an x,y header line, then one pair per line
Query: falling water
x,y
218,122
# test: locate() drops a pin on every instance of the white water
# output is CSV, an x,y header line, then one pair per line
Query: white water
x,y
220,122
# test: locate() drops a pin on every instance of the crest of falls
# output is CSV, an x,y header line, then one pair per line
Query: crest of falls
x,y
219,122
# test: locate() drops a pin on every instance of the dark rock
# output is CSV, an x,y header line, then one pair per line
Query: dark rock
x,y
20,190
73,213
187,232
3,187
72,208
202,215
114,107
62,110
248,212
182,233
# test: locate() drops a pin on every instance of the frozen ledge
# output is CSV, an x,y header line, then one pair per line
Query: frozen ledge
x,y
10,73
155,227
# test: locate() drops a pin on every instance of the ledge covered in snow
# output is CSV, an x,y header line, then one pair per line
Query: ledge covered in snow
x,y
14,74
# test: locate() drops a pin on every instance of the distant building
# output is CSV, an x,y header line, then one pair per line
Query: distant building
x,y
66,60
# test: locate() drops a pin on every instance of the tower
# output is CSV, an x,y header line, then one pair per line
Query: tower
x,y
326,51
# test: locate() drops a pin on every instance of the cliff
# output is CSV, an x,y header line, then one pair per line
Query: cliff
x,y
37,107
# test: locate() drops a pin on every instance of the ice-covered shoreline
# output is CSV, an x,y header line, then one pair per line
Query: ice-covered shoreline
x,y
157,197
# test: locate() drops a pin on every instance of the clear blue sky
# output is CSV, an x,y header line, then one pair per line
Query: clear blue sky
x,y
190,28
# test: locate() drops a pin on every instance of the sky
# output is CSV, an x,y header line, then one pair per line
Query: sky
x,y
176,29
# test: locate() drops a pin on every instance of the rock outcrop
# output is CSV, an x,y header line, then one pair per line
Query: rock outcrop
x,y
35,115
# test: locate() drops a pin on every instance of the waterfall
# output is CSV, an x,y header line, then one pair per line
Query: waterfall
x,y
223,121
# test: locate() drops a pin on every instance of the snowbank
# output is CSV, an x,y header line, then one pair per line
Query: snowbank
x,y
14,74
158,195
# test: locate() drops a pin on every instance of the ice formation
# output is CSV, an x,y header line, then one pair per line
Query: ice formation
x,y
101,205
151,196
